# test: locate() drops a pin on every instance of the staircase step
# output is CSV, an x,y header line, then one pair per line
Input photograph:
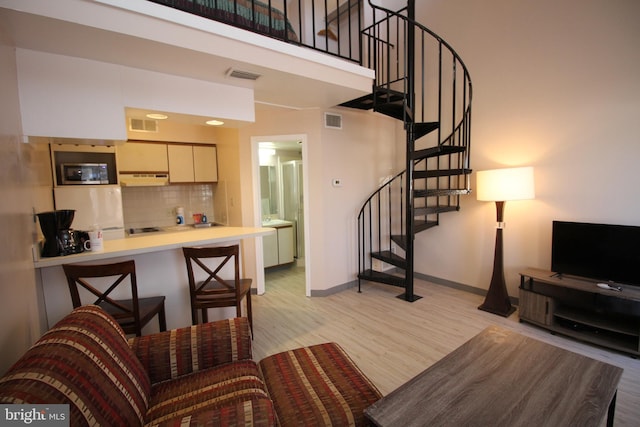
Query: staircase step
x,y
441,150
439,173
421,225
362,103
432,210
390,258
396,110
385,95
382,96
377,276
441,192
418,226
423,128
400,240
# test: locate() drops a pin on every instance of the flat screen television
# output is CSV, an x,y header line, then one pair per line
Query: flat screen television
x,y
602,252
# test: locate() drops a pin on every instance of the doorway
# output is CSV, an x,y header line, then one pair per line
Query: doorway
x,y
281,179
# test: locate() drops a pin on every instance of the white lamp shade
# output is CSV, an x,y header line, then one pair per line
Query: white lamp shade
x,y
501,185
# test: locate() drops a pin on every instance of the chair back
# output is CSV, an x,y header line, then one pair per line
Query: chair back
x,y
88,277
205,270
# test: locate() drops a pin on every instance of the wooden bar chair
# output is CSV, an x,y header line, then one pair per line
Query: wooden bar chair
x,y
214,291
132,314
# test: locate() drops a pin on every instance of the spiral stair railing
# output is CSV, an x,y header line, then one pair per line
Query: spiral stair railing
x,y
407,58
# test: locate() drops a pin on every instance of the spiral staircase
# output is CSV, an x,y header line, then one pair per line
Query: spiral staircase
x,y
421,81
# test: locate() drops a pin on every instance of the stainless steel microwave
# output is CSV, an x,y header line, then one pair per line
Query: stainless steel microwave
x,y
84,173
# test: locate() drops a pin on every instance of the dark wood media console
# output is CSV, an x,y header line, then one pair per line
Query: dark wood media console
x,y
578,308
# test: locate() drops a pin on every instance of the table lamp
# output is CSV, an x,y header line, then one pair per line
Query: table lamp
x,y
501,185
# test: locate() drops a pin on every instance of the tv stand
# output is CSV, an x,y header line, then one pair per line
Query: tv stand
x,y
577,308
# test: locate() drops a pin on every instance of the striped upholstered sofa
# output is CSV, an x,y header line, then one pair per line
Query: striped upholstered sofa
x,y
199,375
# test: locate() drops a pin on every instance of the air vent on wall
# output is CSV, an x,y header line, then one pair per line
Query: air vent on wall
x,y
332,121
241,74
143,125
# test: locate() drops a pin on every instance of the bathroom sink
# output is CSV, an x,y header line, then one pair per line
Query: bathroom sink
x,y
275,223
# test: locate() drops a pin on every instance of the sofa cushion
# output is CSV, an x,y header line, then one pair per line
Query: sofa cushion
x,y
230,394
319,385
182,351
83,361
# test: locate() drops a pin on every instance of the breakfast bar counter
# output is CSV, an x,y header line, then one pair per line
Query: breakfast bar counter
x,y
160,269
154,242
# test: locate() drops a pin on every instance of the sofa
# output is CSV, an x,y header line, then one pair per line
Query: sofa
x,y
197,375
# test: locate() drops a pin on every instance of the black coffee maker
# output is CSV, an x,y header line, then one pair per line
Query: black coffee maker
x,y
59,238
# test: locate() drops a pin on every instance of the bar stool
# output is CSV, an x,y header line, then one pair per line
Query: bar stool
x,y
214,291
132,314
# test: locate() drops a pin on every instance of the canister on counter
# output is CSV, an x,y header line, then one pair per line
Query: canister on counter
x,y
180,215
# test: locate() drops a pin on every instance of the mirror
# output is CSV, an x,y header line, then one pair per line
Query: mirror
x,y
269,190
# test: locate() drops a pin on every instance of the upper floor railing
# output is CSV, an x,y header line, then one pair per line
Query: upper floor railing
x,y
330,26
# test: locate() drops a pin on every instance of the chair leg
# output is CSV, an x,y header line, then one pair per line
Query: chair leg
x,y
162,319
194,316
205,316
249,314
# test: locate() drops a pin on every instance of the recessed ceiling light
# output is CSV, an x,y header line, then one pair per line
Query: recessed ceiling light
x,y
214,122
157,116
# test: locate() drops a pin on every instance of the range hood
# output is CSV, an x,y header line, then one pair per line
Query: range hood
x,y
73,141
143,179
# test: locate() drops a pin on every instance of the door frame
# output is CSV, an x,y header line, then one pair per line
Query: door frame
x,y
257,210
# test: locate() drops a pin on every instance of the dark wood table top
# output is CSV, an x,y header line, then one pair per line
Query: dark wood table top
x,y
502,378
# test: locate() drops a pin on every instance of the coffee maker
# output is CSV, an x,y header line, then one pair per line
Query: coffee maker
x,y
59,238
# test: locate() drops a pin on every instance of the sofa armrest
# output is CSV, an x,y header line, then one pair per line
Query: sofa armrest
x,y
171,354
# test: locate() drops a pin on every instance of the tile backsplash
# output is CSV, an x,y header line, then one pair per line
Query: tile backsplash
x,y
156,206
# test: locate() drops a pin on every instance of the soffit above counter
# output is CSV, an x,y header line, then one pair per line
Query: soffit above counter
x,y
172,42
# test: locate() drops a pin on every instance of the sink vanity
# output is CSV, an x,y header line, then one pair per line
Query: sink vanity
x,y
278,247
160,268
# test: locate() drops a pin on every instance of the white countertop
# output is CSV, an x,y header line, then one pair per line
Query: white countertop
x,y
153,242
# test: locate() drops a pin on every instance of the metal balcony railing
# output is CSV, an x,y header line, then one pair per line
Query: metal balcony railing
x,y
329,26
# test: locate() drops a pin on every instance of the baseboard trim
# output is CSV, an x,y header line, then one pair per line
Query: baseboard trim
x,y
425,277
459,286
334,289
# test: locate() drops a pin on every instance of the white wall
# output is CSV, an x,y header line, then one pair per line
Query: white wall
x,y
555,87
359,154
23,174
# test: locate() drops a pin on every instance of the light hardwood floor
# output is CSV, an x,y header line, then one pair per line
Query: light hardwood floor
x,y
392,340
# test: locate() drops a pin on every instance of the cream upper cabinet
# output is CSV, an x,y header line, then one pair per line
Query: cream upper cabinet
x,y
192,163
180,163
205,163
142,157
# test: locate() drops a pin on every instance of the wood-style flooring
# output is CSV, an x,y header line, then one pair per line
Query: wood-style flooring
x,y
392,340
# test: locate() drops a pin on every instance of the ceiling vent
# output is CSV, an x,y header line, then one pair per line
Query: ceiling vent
x,y
240,74
143,125
332,121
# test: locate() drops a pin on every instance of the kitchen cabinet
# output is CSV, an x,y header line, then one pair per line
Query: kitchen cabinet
x,y
278,247
205,163
142,157
192,163
180,163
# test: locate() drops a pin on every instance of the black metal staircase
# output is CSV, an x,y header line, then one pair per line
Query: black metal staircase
x,y
408,58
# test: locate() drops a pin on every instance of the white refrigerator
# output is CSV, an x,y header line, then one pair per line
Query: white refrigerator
x,y
99,205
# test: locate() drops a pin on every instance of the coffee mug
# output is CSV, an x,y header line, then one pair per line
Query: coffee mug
x,y
95,243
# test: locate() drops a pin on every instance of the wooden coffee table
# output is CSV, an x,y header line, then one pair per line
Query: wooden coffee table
x,y
502,378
